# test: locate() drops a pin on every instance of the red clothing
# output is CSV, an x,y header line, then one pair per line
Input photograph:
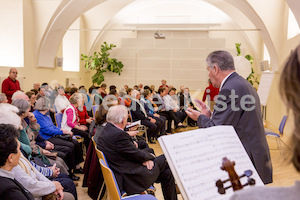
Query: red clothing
x,y
83,116
164,86
211,91
9,87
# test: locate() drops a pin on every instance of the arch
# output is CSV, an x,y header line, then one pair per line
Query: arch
x,y
69,11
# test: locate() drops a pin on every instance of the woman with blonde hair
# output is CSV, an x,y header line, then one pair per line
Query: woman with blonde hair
x,y
290,89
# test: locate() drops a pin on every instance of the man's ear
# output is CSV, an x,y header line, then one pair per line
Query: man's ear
x,y
10,158
216,69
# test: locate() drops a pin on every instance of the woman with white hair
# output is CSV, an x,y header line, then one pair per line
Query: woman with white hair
x,y
61,101
70,118
3,98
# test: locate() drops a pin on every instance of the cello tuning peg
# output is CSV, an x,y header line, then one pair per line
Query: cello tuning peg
x,y
220,184
251,181
248,173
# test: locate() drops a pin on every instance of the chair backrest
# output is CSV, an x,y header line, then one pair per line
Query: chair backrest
x,y
282,124
110,182
58,119
94,108
99,153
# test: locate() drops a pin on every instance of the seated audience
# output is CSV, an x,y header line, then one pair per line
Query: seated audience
x,y
36,86
61,101
67,92
185,103
70,119
28,134
3,98
135,169
168,114
99,96
172,103
73,90
9,158
84,118
145,99
32,99
72,152
102,90
42,92
138,113
289,86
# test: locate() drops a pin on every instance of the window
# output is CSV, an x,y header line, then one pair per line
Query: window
x,y
293,27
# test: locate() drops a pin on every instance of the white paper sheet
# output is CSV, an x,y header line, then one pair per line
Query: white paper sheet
x,y
195,158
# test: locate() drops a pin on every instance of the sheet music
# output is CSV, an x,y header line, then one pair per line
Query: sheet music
x,y
195,158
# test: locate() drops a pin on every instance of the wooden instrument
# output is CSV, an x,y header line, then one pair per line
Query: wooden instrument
x,y
234,179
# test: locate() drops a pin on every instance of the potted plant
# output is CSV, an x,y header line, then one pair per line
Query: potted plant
x,y
101,62
251,78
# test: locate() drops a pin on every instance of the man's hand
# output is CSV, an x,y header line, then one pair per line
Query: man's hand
x,y
49,145
89,120
31,117
135,144
204,109
56,170
82,127
149,164
194,114
152,120
156,115
132,133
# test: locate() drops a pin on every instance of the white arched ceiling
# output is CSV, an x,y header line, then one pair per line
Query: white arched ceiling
x,y
295,8
66,13
69,11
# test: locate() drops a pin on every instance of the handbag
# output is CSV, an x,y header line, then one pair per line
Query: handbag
x,y
64,137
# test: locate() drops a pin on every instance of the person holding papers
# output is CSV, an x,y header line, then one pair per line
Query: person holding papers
x,y
135,169
238,105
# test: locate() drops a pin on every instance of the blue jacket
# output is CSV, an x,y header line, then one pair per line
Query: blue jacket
x,y
48,130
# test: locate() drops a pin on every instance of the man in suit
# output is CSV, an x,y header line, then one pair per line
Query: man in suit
x,y
139,113
238,105
135,169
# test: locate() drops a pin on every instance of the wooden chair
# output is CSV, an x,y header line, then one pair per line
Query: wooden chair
x,y
94,109
112,186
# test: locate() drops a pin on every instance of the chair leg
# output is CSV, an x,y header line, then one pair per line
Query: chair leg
x,y
102,187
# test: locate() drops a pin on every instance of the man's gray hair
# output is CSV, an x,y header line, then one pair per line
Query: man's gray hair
x,y
223,59
116,114
2,97
134,93
22,105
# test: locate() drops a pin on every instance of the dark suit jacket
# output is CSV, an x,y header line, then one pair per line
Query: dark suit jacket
x,y
126,160
136,112
11,189
247,124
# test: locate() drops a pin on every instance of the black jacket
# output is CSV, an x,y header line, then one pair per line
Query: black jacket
x,y
12,190
126,160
